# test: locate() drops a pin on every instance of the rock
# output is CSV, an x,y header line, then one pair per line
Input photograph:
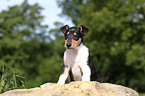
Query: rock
x,y
78,88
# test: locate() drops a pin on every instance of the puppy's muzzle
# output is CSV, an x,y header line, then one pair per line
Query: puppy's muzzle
x,y
68,45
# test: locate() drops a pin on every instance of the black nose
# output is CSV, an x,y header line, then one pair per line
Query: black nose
x,y
68,44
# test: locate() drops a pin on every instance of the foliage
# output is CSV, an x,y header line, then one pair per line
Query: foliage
x,y
23,40
116,38
9,80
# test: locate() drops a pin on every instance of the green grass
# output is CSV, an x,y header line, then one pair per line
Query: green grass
x,y
9,80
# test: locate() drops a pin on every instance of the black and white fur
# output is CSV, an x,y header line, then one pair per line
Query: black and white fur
x,y
77,63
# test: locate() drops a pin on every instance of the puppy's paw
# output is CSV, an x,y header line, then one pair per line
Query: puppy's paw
x,y
48,85
62,79
61,82
85,78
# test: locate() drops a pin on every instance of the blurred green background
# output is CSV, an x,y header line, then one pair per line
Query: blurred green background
x,y
30,55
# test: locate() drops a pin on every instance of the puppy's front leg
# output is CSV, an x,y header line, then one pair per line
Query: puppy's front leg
x,y
86,72
64,75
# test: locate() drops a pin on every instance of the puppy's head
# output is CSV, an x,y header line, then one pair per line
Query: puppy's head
x,y
73,36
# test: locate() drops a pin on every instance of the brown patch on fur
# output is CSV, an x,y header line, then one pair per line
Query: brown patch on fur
x,y
65,71
75,34
76,43
66,27
69,78
65,42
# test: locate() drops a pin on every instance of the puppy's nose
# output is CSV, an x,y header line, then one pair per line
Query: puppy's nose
x,y
68,44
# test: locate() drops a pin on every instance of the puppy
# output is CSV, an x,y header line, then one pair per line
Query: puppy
x,y
77,63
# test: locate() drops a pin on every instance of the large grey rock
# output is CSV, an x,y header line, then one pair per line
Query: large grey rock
x,y
78,88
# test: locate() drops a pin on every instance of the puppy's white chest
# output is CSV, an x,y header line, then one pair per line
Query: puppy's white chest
x,y
71,56
76,56
75,59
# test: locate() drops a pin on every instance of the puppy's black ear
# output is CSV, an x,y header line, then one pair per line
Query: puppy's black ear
x,y
83,30
64,29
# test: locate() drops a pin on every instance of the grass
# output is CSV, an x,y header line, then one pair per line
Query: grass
x,y
9,80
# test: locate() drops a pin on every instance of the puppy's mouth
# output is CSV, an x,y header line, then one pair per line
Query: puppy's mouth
x,y
68,47
71,47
